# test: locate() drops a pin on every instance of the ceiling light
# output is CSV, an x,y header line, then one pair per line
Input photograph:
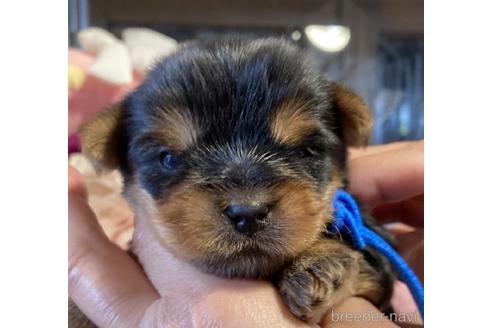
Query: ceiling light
x,y
296,35
329,38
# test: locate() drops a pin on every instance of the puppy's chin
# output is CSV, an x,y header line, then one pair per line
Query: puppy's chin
x,y
230,255
246,264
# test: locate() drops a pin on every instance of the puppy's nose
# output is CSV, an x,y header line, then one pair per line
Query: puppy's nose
x,y
247,218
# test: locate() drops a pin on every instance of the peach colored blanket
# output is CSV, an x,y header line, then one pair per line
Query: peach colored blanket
x,y
104,195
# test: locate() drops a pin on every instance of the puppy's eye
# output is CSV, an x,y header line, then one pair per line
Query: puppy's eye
x,y
167,160
307,152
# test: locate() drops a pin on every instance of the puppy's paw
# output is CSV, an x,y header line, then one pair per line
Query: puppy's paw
x,y
317,281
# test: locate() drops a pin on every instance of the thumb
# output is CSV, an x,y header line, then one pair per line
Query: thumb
x,y
104,282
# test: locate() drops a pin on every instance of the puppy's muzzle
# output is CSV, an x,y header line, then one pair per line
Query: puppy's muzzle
x,y
247,218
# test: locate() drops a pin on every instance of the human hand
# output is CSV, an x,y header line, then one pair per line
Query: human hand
x,y
113,291
389,179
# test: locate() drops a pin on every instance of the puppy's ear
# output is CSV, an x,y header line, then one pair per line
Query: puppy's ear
x,y
354,115
102,138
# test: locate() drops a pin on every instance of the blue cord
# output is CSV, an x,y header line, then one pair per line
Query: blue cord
x,y
348,222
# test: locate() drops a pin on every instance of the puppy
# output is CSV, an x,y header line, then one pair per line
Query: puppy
x,y
233,151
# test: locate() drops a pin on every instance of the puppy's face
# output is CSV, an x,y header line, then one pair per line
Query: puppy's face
x,y
233,151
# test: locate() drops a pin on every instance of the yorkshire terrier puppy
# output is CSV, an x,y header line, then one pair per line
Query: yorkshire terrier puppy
x,y
233,151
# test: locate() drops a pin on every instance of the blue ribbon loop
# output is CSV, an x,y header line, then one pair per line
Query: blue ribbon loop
x,y
348,222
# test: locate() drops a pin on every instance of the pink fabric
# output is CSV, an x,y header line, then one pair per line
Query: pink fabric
x,y
73,144
95,94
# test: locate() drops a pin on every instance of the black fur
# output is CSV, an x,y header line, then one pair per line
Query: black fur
x,y
232,89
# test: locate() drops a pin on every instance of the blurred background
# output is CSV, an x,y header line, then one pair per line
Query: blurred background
x,y
376,47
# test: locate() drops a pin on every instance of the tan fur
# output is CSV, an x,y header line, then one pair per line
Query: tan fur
x,y
324,276
336,183
301,212
367,284
192,228
355,115
190,222
100,136
326,273
292,122
176,128
319,279
313,273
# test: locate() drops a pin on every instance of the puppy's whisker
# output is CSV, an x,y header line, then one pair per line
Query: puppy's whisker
x,y
336,233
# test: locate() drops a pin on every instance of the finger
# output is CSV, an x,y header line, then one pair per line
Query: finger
x,y
388,177
377,149
410,211
411,248
181,275
156,258
76,184
402,302
237,302
106,284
